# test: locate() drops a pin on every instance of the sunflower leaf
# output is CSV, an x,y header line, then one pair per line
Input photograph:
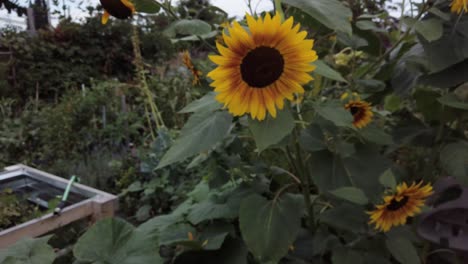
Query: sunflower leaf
x,y
146,6
270,227
334,111
188,27
454,160
387,179
351,194
453,101
402,250
201,132
272,130
327,71
331,13
206,103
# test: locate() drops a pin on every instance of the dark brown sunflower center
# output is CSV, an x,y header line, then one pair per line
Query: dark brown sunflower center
x,y
395,205
354,110
116,8
262,66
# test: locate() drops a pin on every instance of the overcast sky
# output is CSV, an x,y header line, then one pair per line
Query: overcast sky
x,y
232,7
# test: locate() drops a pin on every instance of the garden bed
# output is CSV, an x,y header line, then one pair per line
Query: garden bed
x,y
29,196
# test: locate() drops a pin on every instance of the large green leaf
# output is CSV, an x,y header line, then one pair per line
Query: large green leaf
x,y
188,27
331,13
351,194
272,130
219,205
201,132
402,250
387,179
453,101
270,227
312,138
346,217
114,241
146,6
177,233
335,112
451,48
361,170
454,160
327,71
376,135
369,25
206,103
344,255
430,29
28,251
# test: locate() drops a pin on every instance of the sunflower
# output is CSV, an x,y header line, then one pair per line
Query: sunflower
x,y
458,6
259,68
121,9
188,63
405,202
361,111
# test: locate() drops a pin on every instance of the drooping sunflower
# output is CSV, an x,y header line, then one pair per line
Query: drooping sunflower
x,y
458,6
188,63
405,202
121,9
259,68
361,111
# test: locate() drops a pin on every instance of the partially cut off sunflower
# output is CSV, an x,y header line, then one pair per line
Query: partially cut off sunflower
x,y
260,67
361,111
405,202
121,9
458,6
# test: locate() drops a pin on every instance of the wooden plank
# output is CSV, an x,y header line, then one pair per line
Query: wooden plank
x,y
100,205
47,223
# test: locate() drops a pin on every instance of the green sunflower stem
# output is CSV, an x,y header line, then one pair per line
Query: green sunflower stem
x,y
278,9
305,186
297,162
141,77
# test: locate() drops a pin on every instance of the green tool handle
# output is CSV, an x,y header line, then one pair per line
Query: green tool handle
x,y
67,190
62,203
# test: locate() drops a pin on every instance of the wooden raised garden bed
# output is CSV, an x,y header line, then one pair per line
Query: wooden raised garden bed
x,y
40,189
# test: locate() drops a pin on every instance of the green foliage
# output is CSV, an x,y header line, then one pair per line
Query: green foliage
x,y
331,13
73,54
270,227
213,188
28,251
202,131
14,210
115,241
271,131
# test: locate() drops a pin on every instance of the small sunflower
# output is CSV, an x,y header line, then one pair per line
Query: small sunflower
x,y
121,9
262,66
405,202
188,63
361,111
459,6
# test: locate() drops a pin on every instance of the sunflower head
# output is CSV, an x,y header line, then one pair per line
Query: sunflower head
x,y
260,67
188,63
121,9
459,6
405,202
361,111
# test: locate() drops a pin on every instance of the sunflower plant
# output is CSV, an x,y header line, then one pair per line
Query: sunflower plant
x,y
317,134
310,154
